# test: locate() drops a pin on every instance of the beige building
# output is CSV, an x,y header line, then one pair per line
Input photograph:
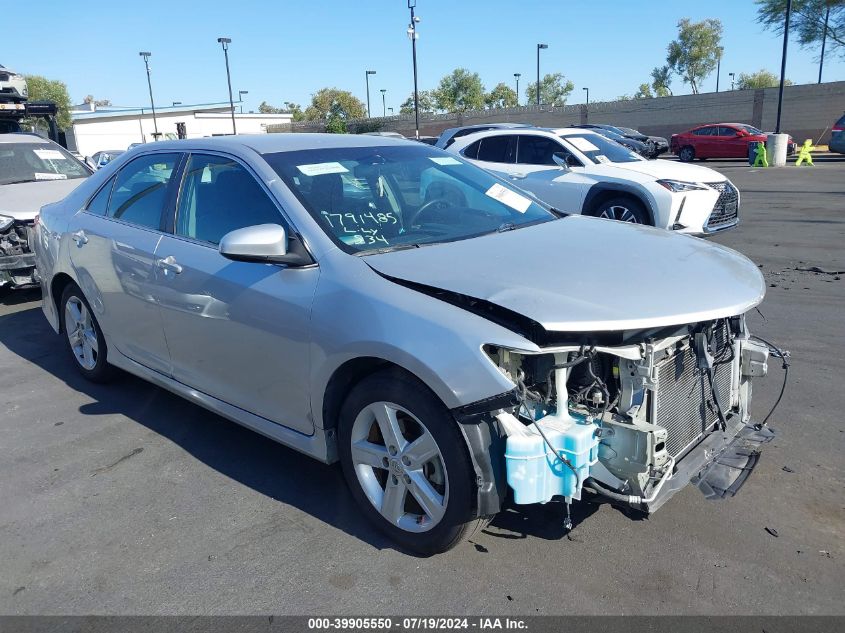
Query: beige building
x,y
112,128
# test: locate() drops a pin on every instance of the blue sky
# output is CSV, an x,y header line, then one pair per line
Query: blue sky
x,y
284,51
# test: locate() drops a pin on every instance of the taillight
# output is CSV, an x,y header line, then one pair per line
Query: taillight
x,y
837,128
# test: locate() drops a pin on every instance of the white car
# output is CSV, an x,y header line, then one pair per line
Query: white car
x,y
12,85
578,171
33,172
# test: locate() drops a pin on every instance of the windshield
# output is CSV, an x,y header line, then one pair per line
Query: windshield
x,y
601,150
30,162
401,196
751,129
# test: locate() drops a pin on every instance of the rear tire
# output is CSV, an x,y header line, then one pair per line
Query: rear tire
x,y
622,209
83,336
687,154
407,464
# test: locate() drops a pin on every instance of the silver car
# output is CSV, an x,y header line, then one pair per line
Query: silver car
x,y
387,305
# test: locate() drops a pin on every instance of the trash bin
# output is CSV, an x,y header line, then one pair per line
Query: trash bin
x,y
752,151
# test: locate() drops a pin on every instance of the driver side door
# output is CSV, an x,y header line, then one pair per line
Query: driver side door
x,y
541,175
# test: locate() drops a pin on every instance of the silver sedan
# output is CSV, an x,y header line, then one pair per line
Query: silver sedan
x,y
387,305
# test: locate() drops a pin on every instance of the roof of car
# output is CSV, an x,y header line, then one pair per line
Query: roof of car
x,y
23,137
282,142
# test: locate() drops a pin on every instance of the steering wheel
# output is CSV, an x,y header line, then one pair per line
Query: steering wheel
x,y
426,207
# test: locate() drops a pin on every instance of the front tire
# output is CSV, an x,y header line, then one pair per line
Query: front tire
x,y
83,336
622,209
687,154
407,464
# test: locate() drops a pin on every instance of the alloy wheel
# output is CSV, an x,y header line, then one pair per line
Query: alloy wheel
x,y
619,213
81,333
399,466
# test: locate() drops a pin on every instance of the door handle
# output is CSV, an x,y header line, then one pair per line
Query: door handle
x,y
79,237
518,176
169,264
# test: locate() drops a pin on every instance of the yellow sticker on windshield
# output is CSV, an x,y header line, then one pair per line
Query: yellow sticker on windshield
x,y
509,197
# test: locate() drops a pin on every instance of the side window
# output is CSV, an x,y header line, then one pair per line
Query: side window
x,y
472,150
704,131
218,195
140,190
727,131
537,150
497,149
99,204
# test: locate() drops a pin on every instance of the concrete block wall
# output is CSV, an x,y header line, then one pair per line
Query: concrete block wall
x,y
808,112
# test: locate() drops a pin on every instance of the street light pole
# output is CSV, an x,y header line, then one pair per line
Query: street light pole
x,y
517,76
146,55
383,103
539,47
783,63
367,74
824,40
241,94
588,95
412,33
732,75
225,41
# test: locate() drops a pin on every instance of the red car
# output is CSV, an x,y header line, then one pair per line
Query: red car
x,y
718,140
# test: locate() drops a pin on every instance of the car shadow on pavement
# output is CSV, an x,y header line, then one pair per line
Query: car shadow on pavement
x,y
239,453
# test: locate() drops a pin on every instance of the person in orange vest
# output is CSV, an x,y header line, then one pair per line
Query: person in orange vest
x,y
760,159
804,153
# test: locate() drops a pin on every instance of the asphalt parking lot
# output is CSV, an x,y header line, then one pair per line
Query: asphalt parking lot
x,y
125,499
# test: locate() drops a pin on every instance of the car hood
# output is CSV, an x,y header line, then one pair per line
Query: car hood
x,y
23,200
581,274
663,169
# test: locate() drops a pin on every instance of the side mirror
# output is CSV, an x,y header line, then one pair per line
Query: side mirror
x,y
560,160
742,133
268,243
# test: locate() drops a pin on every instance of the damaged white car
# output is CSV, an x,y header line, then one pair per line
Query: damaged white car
x,y
33,172
451,352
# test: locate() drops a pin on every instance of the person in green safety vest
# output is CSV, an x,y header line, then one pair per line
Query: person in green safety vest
x,y
804,153
760,159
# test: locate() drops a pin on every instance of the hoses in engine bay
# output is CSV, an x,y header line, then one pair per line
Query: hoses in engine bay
x,y
784,356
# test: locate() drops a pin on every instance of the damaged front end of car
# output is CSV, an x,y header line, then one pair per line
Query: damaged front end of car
x,y
633,417
17,260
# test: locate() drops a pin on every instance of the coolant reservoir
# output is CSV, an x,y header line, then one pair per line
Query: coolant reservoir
x,y
536,474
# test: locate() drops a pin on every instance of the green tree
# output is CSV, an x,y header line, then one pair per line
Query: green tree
x,y
695,54
43,89
661,77
331,103
643,92
553,90
458,91
806,22
266,108
426,103
289,108
501,96
760,79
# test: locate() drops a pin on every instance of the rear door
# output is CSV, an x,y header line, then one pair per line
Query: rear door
x,y
115,238
703,142
238,331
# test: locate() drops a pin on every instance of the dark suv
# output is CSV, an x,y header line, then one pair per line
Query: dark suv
x,y
837,136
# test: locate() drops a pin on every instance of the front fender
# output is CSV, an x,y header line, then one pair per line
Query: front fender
x,y
359,314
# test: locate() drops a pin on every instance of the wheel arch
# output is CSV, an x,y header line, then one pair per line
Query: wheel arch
x,y
58,283
601,193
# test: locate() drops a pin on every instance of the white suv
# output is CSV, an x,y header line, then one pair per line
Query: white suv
x,y
578,171
12,86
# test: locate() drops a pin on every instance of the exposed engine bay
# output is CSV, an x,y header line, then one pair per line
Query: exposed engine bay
x,y
17,262
659,409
